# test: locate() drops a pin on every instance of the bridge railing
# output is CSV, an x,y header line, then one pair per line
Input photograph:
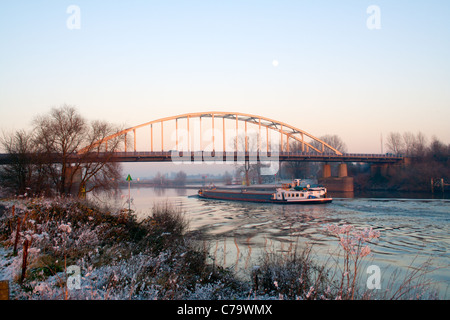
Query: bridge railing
x,y
380,155
173,155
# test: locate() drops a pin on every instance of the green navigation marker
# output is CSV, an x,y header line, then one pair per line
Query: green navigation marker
x,y
129,192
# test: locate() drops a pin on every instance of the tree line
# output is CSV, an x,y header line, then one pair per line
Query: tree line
x,y
41,162
427,159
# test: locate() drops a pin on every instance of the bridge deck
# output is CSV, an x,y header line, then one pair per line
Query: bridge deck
x,y
186,156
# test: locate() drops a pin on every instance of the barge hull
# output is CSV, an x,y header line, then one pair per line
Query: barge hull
x,y
256,197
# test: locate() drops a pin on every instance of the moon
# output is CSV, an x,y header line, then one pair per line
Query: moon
x,y
275,63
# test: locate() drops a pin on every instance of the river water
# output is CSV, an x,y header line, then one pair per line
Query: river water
x,y
412,230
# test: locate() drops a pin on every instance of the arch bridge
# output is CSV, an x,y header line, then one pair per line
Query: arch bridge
x,y
193,129
218,135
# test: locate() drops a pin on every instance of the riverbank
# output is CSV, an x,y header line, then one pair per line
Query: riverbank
x,y
77,250
114,256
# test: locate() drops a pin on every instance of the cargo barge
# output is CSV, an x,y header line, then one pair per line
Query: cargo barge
x,y
290,193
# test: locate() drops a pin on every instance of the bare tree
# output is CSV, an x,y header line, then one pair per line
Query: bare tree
x,y
409,141
335,141
28,171
420,145
17,176
94,174
394,143
407,144
438,150
62,133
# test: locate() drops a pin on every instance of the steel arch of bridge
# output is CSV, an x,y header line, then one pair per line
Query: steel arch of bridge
x,y
285,130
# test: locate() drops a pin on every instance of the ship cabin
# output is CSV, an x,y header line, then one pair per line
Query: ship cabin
x,y
283,194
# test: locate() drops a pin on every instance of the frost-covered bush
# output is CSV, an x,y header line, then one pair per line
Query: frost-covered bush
x,y
164,228
118,257
292,276
355,246
62,228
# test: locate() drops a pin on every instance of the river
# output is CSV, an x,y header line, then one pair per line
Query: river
x,y
412,229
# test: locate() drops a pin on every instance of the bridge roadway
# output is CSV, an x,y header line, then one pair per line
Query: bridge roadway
x,y
198,156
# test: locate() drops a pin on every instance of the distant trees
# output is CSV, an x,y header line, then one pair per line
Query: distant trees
x,y
22,173
162,180
394,143
60,134
407,143
180,178
417,146
333,140
427,160
227,178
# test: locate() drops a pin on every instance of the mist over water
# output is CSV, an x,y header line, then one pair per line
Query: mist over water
x,y
238,233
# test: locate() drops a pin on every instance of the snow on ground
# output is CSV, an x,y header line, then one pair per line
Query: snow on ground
x,y
6,264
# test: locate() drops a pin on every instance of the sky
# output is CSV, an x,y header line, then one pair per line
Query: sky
x,y
358,69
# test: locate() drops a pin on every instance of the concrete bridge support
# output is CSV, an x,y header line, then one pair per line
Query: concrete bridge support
x,y
326,171
385,170
379,169
342,170
341,183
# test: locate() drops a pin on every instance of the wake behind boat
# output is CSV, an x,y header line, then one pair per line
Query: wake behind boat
x,y
289,193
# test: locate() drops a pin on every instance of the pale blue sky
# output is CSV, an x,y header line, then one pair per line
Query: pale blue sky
x,y
134,61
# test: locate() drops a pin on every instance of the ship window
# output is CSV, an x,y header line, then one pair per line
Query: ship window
x,y
297,195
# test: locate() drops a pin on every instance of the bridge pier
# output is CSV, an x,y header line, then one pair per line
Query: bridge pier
x,y
326,172
341,183
385,170
379,169
342,170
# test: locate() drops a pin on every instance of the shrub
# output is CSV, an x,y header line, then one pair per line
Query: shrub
x,y
292,276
